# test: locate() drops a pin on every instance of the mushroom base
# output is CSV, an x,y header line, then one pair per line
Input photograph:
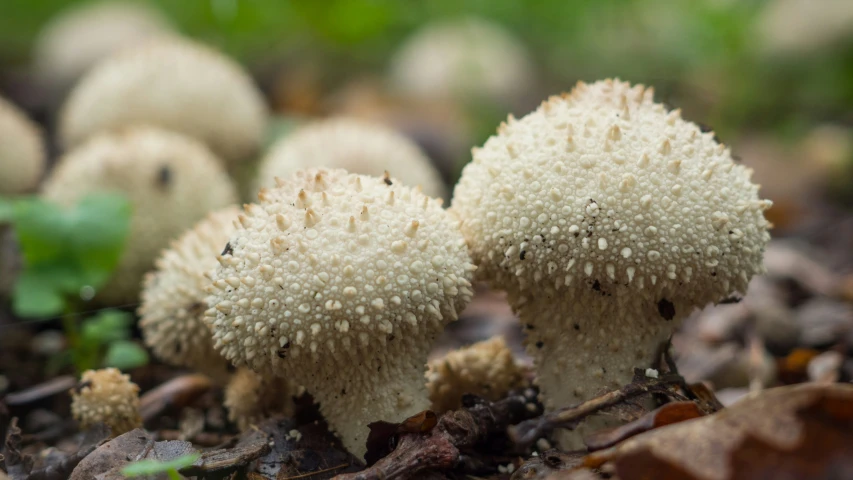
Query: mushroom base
x,y
583,347
385,383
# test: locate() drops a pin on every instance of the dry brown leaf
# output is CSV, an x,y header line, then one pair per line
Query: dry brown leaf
x,y
800,431
665,415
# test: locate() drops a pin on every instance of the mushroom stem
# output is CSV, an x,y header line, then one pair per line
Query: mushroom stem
x,y
389,385
582,349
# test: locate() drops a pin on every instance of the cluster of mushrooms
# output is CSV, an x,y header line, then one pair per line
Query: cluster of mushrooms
x,y
605,217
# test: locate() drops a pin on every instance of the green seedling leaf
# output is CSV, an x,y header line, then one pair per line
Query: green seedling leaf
x,y
107,326
153,467
66,250
125,354
35,295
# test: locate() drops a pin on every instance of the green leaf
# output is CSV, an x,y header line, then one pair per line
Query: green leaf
x,y
41,230
125,354
107,326
98,230
36,295
153,467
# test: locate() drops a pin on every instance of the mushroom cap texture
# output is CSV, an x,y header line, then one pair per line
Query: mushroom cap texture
x,y
106,396
487,369
77,38
342,282
606,188
357,146
467,58
176,84
251,398
171,181
22,155
173,296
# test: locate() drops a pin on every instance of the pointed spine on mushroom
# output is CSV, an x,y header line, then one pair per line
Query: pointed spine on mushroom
x,y
607,219
345,292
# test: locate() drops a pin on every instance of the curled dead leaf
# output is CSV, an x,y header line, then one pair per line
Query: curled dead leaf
x,y
665,415
800,431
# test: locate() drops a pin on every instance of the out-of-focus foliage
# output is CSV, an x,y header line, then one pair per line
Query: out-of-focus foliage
x,y
65,251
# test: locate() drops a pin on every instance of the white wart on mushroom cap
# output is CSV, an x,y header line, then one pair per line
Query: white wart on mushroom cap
x,y
22,156
173,83
172,181
173,296
342,282
358,146
607,219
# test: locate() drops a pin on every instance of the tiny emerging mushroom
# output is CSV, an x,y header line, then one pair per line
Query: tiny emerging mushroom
x,y
172,181
358,146
173,296
607,219
342,282
487,369
106,396
251,398
175,84
22,155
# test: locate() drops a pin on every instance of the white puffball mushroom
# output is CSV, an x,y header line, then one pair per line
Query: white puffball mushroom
x,y
22,154
78,37
607,219
173,296
463,59
172,181
342,282
795,28
358,146
107,396
176,84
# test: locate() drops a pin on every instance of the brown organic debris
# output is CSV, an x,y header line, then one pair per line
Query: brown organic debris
x,y
802,431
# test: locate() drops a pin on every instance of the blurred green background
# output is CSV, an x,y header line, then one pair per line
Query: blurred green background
x,y
703,55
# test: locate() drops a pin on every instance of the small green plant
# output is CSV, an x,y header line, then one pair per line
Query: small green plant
x,y
103,340
68,254
154,467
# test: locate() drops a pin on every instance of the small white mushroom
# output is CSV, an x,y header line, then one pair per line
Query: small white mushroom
x,y
464,59
173,296
83,34
173,83
172,182
22,156
358,146
607,219
106,396
348,293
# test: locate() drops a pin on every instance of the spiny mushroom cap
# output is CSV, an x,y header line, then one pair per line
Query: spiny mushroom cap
x,y
172,83
487,369
463,59
342,282
106,396
251,398
603,190
22,155
80,36
171,181
173,296
357,146
330,264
